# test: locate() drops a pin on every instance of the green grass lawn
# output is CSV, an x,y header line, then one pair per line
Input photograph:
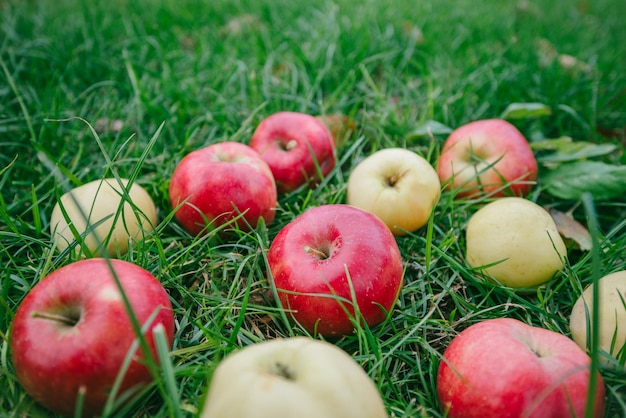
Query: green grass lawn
x,y
158,79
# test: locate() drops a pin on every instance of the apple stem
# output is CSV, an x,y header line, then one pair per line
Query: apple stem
x,y
320,254
67,320
393,180
288,145
283,370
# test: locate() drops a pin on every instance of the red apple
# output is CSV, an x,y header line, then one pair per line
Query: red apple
x,y
221,183
298,147
487,157
328,259
72,333
506,368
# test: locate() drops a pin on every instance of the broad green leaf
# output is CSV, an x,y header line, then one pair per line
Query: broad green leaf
x,y
526,111
574,151
551,144
569,181
430,127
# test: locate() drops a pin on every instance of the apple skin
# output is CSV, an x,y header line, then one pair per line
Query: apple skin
x,y
298,147
219,182
487,157
292,377
308,260
397,185
521,237
612,331
505,368
100,200
53,359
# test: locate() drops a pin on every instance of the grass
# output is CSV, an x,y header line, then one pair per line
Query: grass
x,y
159,79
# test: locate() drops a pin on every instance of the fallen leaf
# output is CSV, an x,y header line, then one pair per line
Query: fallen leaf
x,y
546,51
572,64
341,127
413,32
526,111
240,24
106,125
430,128
613,133
578,150
569,181
552,144
572,230
528,9
187,42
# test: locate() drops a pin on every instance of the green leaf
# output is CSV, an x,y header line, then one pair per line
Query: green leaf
x,y
573,151
603,181
551,144
430,127
526,111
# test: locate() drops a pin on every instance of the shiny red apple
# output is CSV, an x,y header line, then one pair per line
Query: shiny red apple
x,y
335,266
504,368
72,334
487,157
222,183
298,147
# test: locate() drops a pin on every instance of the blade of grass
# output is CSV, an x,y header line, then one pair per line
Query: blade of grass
x,y
596,266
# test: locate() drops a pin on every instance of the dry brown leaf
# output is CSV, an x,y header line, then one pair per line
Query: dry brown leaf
x,y
573,64
546,51
413,32
527,9
548,54
241,24
340,126
614,133
571,230
106,125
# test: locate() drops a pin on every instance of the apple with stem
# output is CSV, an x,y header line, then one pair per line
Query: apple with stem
x,y
336,266
298,147
397,185
291,377
502,367
72,336
487,157
223,184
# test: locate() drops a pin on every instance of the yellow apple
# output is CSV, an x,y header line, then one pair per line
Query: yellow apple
x,y
292,377
612,319
92,210
397,185
514,242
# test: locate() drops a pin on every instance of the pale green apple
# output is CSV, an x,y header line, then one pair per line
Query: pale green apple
x,y
102,211
612,316
514,242
397,185
292,377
